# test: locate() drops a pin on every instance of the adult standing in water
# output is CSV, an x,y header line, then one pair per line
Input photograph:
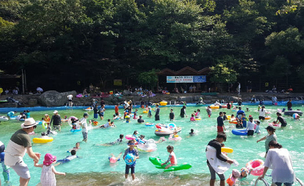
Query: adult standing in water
x,y
157,113
279,159
281,120
262,113
270,137
289,105
220,123
19,144
217,145
183,112
56,120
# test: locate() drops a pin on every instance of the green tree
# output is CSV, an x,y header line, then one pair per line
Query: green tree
x,y
221,74
148,79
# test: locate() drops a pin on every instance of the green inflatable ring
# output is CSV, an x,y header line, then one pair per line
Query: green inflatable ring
x,y
44,125
157,162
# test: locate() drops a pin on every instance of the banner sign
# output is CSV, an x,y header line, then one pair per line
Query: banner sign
x,y
117,82
186,79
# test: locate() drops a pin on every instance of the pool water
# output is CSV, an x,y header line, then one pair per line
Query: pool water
x,y
94,159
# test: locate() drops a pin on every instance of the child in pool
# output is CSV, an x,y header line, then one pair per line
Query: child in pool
x,y
48,170
171,159
174,135
257,129
149,112
68,158
115,117
209,111
135,114
171,115
233,177
118,141
191,132
232,117
6,171
192,117
131,150
198,114
114,159
76,148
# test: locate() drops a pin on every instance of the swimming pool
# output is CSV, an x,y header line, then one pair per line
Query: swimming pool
x,y
94,159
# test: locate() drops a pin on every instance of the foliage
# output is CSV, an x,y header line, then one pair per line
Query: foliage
x,y
222,74
95,41
149,78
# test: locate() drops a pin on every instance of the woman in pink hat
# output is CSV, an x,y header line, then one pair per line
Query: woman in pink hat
x,y
48,170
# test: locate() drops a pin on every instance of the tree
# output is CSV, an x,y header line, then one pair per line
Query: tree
x,y
221,74
148,79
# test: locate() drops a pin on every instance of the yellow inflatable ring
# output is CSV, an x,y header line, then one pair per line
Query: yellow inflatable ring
x,y
267,118
214,107
227,149
145,111
163,103
43,140
197,119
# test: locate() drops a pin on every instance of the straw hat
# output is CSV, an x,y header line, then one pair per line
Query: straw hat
x,y
28,123
55,112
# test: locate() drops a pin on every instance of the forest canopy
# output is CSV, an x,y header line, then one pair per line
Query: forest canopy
x,y
68,44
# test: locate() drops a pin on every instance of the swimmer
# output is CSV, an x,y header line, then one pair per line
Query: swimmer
x,y
233,177
257,129
68,158
76,148
192,118
174,135
192,132
209,111
118,141
113,159
172,157
198,114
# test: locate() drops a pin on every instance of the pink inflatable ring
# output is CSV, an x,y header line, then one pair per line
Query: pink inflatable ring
x,y
257,167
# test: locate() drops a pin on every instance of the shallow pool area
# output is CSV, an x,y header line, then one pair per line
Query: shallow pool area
x,y
94,158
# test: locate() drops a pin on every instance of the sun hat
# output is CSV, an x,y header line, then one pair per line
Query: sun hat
x,y
56,111
28,123
45,114
49,159
235,174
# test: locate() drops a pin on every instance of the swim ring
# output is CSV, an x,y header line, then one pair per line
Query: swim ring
x,y
149,124
295,116
95,123
44,139
163,103
239,132
145,112
267,118
227,149
214,106
233,121
197,119
229,117
172,125
76,130
130,137
148,147
257,167
3,118
157,162
175,138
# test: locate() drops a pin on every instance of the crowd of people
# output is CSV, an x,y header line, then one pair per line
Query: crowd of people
x,y
276,157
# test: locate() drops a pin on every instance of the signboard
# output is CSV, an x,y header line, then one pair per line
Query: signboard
x,y
186,79
117,82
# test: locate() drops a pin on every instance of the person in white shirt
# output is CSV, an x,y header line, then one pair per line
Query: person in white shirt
x,y
262,113
70,98
250,127
83,123
279,160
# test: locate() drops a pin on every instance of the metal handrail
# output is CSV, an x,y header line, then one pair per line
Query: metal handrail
x,y
300,182
263,180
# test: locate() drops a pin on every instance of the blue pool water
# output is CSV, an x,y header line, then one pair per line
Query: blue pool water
x,y
94,159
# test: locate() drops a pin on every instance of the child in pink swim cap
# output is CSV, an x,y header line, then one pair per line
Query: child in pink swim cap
x,y
48,170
